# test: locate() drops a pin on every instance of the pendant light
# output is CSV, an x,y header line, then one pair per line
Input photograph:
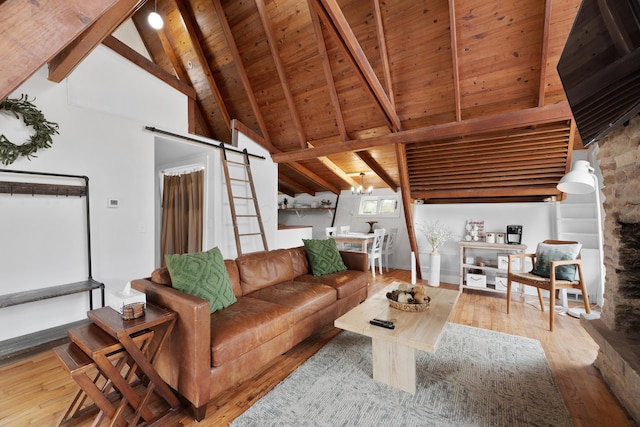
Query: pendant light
x,y
360,190
154,18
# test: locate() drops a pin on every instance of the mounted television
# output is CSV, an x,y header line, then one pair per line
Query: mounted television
x,y
600,66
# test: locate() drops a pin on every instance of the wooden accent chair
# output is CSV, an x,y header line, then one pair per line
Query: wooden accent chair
x,y
550,283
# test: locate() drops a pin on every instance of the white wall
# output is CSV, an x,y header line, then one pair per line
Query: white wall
x,y
101,110
537,220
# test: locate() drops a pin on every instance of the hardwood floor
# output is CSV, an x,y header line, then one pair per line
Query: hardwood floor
x,y
35,390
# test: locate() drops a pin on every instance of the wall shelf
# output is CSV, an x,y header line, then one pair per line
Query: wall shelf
x,y
302,211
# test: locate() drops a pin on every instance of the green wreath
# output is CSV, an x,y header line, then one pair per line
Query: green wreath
x,y
32,117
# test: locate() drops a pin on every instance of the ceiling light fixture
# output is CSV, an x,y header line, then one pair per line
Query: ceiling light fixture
x,y
155,20
360,189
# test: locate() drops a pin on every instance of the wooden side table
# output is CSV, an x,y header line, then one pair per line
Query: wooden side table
x,y
120,350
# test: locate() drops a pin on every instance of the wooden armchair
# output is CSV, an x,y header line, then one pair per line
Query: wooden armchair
x,y
550,283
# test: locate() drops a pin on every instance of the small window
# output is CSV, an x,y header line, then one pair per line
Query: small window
x,y
378,206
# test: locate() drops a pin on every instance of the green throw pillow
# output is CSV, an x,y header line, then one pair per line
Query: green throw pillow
x,y
545,253
324,256
204,275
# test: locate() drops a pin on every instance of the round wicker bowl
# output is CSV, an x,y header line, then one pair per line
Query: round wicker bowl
x,y
409,307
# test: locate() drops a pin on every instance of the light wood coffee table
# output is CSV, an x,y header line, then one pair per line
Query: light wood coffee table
x,y
394,360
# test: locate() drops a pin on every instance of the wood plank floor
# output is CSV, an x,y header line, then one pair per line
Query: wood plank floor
x,y
35,390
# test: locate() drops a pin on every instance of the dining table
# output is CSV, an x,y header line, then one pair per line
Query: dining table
x,y
353,237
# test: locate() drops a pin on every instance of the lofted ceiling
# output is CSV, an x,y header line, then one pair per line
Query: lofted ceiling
x,y
450,100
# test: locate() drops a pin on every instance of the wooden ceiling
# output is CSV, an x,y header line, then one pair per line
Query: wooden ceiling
x,y
451,100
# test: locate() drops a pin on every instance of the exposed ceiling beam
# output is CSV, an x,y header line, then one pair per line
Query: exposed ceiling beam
x,y
500,122
150,67
407,205
384,57
545,52
313,177
44,37
337,23
288,182
61,65
336,170
454,59
284,83
377,169
328,75
549,190
237,60
195,36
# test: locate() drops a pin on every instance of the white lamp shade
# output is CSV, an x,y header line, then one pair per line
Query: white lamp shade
x,y
155,20
579,181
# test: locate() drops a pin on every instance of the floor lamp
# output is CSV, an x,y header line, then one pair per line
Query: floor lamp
x,y
583,180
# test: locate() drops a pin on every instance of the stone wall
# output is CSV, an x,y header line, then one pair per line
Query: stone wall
x,y
619,157
617,332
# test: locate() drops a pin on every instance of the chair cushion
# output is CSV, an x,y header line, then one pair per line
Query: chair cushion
x,y
324,256
545,253
202,274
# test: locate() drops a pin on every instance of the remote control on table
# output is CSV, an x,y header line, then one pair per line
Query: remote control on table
x,y
382,323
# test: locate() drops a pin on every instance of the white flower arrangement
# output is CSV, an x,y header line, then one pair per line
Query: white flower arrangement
x,y
436,233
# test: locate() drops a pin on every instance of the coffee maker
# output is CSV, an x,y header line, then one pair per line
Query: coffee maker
x,y
514,234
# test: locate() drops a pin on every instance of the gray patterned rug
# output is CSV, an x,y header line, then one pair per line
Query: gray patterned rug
x,y
475,378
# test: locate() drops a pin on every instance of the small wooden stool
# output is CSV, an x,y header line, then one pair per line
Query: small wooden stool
x,y
78,358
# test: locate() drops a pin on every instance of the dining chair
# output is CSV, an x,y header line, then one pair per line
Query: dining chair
x,y
389,246
346,229
557,266
375,253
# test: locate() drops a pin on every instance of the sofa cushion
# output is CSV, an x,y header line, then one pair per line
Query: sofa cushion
x,y
345,283
299,261
204,275
324,256
246,325
261,269
305,298
545,253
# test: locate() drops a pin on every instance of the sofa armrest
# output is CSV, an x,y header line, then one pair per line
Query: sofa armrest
x,y
358,261
185,360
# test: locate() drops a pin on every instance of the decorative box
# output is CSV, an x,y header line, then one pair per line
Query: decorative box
x,y
117,300
476,280
503,262
501,283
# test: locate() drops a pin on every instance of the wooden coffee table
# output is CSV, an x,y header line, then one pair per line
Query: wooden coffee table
x,y
394,361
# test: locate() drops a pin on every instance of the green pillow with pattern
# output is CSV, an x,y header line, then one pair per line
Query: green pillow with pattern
x,y
202,274
546,252
324,257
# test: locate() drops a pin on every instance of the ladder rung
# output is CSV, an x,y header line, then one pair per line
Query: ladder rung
x,y
243,197
236,163
246,216
238,179
250,234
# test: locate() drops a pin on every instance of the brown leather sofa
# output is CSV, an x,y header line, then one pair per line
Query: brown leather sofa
x,y
279,304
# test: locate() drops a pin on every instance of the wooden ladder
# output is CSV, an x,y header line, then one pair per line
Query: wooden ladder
x,y
250,194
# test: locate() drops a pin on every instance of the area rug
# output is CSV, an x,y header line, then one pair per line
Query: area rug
x,y
475,378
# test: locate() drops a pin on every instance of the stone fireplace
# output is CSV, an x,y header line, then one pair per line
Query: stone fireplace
x,y
617,332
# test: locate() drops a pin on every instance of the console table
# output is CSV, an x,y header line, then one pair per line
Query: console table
x,y
493,268
120,350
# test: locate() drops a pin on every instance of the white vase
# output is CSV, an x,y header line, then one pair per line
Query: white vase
x,y
434,268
